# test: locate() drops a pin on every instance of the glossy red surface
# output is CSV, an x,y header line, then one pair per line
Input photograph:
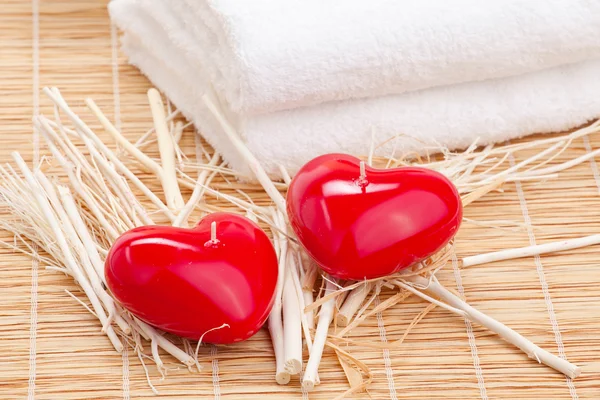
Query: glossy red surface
x,y
178,281
367,229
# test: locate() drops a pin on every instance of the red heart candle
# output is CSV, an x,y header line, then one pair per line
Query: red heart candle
x,y
359,222
187,282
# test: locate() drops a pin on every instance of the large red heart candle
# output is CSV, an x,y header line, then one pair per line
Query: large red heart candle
x,y
187,281
359,222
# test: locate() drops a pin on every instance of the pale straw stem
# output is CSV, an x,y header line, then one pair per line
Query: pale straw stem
x,y
292,329
325,318
529,251
252,162
352,303
166,149
529,348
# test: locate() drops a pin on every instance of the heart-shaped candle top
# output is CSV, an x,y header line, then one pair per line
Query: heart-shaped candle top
x,y
362,223
187,282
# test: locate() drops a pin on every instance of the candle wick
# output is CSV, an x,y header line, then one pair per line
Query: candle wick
x,y
362,179
213,242
213,232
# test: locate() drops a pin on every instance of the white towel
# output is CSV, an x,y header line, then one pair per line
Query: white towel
x,y
265,55
162,46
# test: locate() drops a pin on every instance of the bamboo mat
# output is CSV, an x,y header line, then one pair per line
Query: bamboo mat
x,y
52,348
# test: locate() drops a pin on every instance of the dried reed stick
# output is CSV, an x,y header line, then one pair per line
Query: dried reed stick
x,y
252,162
325,318
292,328
167,151
275,321
460,307
352,303
529,251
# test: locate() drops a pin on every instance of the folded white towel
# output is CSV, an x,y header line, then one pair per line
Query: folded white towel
x,y
453,116
265,55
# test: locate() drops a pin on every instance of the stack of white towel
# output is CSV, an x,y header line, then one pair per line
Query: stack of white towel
x,y
299,78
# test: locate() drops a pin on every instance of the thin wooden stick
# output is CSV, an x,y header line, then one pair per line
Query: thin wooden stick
x,y
529,251
275,322
178,131
287,179
275,326
523,163
151,334
292,328
561,167
352,303
147,162
167,152
405,284
325,318
283,242
252,162
308,285
533,351
293,263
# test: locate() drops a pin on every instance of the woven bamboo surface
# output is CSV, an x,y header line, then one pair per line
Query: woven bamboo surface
x,y
52,348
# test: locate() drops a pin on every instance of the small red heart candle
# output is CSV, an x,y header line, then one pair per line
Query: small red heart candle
x,y
359,222
189,281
